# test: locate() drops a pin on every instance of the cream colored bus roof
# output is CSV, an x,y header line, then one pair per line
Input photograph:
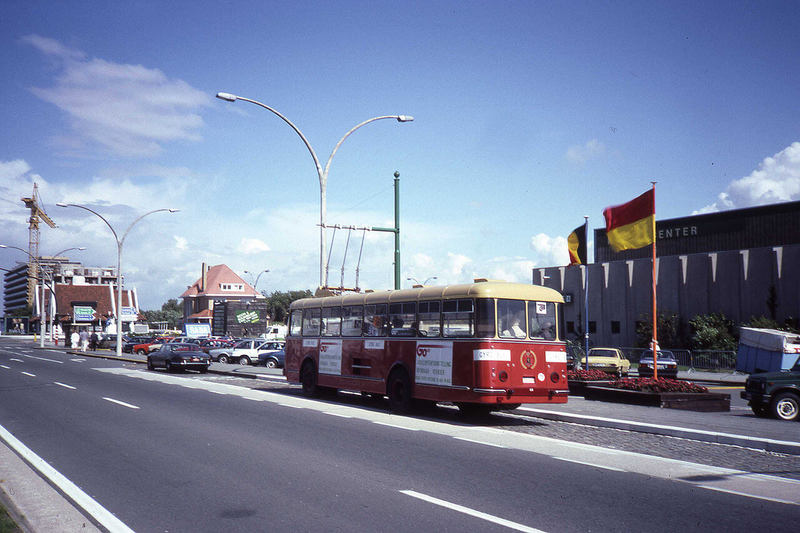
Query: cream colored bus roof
x,y
479,289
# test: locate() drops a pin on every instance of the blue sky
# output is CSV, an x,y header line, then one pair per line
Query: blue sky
x,y
528,116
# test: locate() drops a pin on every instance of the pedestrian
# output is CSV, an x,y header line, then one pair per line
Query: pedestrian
x,y
74,339
93,341
84,336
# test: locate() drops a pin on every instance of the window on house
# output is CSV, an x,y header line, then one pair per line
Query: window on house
x,y
615,326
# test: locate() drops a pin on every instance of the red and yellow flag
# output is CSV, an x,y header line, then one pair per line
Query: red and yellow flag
x,y
632,225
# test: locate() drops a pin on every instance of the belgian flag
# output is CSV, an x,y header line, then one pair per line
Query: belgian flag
x,y
576,242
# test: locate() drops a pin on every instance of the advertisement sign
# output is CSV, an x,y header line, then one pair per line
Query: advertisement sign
x,y
197,330
330,357
83,313
247,317
129,314
434,363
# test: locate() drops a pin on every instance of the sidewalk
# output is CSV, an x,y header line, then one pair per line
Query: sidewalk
x,y
737,427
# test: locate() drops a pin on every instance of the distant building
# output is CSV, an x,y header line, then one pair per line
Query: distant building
x,y
742,263
226,302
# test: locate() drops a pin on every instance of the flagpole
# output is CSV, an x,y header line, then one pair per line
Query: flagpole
x,y
586,294
654,343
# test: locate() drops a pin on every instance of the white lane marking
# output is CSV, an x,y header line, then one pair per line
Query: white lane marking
x,y
472,512
17,360
6,367
64,385
585,463
480,442
340,415
112,400
83,500
398,426
78,360
43,359
292,406
29,374
737,493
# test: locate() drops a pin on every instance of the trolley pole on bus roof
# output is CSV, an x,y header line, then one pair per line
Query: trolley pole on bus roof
x,y
395,230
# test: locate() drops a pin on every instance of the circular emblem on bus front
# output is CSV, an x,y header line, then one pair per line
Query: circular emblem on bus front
x,y
527,359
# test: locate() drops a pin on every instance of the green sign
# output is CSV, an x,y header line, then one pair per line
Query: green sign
x,y
247,317
83,313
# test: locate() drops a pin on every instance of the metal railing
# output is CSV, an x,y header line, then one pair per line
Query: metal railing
x,y
697,359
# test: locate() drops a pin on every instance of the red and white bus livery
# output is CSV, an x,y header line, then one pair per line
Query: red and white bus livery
x,y
484,345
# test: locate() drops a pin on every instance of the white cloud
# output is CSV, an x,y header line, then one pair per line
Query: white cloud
x,y
130,110
250,246
181,243
583,153
550,251
777,179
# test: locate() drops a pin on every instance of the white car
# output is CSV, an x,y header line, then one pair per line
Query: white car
x,y
244,352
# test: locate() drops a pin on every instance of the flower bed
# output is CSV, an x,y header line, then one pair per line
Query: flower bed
x,y
587,375
657,385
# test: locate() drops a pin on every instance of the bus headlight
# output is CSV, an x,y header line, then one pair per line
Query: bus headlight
x,y
503,376
554,377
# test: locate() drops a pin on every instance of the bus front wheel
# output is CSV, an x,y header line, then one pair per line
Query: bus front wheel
x,y
399,392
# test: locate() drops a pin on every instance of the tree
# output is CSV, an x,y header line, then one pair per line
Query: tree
x,y
170,312
278,303
670,331
713,332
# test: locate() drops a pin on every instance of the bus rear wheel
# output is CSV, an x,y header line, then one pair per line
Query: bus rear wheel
x,y
399,392
474,409
308,378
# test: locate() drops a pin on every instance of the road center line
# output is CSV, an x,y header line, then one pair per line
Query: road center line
x,y
6,367
64,385
43,359
112,400
472,512
17,360
29,374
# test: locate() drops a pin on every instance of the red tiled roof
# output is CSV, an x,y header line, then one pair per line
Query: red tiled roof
x,y
215,277
101,294
205,313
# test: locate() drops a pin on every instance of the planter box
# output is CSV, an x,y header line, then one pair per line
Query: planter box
x,y
578,387
690,401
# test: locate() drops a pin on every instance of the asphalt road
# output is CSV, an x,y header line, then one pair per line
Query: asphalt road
x,y
197,453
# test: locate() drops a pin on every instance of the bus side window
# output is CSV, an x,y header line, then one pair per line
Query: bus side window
x,y
542,318
402,317
296,323
458,318
429,318
311,322
331,321
376,323
511,319
352,320
484,307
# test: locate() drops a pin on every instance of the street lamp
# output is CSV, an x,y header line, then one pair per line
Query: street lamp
x,y
120,242
52,287
255,285
321,173
423,283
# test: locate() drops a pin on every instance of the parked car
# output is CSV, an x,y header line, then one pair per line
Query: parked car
x,y
272,358
611,361
243,352
147,347
774,394
128,343
207,345
178,356
666,361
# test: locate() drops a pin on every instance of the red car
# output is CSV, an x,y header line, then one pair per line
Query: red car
x,y
147,347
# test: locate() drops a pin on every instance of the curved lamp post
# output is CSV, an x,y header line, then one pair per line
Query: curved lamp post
x,y
423,283
120,242
322,173
255,285
52,287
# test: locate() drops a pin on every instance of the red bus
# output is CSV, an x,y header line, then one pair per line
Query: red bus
x,y
487,345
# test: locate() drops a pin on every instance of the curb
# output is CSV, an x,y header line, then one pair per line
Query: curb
x,y
770,445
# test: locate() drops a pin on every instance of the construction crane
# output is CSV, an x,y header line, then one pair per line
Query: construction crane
x,y
34,204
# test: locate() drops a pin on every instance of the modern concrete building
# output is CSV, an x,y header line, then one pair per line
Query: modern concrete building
x,y
741,263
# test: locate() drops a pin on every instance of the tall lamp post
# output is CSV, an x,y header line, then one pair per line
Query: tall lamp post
x,y
424,282
120,242
322,173
52,287
255,285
